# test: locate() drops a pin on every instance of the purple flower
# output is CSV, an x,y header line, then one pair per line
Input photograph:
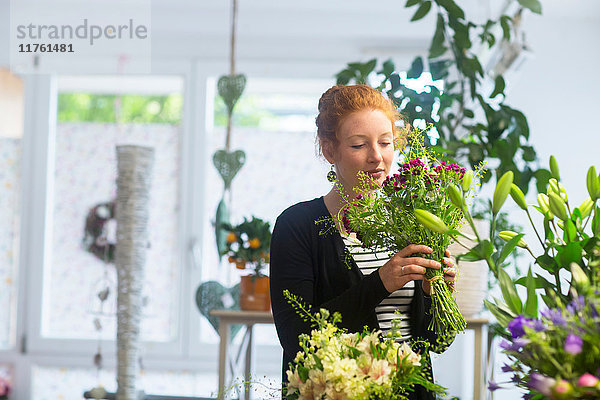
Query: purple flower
x,y
517,326
541,383
515,378
576,305
493,386
516,344
554,315
538,325
507,368
573,344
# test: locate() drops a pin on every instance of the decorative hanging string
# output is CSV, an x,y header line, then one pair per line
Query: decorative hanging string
x,y
231,70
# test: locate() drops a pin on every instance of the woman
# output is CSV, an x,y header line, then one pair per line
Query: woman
x,y
356,131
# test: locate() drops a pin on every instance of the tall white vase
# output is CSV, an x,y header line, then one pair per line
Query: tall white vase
x,y
134,165
471,286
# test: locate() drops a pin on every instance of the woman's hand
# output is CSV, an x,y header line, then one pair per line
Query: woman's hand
x,y
449,274
402,268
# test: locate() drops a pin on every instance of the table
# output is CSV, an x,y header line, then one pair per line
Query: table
x,y
481,351
226,319
250,318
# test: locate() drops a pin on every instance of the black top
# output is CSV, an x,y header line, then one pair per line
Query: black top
x,y
308,257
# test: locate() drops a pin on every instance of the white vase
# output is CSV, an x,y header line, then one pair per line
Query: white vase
x,y
471,286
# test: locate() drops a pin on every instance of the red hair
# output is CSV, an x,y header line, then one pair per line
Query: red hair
x,y
340,101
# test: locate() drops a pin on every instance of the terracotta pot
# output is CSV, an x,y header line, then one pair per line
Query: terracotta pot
x,y
254,293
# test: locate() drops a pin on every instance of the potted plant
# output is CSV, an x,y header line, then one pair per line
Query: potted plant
x,y
247,246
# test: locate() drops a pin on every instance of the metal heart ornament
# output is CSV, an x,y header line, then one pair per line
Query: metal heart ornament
x,y
228,164
212,295
230,88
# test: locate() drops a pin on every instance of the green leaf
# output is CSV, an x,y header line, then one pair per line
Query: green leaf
x,y
499,86
318,362
302,373
548,263
570,253
504,316
368,67
509,292
540,282
533,5
410,3
437,47
416,69
505,26
453,9
422,11
468,113
484,249
529,153
508,248
542,176
388,68
531,303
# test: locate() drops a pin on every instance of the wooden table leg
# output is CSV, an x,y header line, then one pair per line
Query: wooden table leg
x,y
248,361
223,343
478,384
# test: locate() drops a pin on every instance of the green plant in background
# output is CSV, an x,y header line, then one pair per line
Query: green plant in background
x,y
88,107
248,244
472,123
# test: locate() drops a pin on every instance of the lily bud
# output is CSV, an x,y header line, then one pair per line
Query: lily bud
x,y
430,221
560,224
586,207
544,203
553,186
579,277
466,181
508,235
518,196
593,185
557,206
455,196
554,168
502,190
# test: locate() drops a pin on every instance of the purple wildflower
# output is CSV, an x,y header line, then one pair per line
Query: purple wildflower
x,y
541,383
517,326
516,344
576,305
554,315
506,368
573,344
493,386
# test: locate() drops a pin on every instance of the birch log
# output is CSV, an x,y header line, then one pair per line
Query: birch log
x,y
134,164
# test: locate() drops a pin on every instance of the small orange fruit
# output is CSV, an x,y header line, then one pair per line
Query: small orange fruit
x,y
254,243
231,259
240,264
231,237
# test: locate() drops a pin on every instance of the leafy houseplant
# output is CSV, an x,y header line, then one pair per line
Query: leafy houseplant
x,y
555,350
473,123
247,246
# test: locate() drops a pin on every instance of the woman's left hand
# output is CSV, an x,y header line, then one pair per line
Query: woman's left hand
x,y
449,268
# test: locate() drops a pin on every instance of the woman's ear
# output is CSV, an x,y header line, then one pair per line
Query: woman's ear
x,y
328,150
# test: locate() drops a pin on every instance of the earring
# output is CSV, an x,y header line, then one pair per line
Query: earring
x,y
331,175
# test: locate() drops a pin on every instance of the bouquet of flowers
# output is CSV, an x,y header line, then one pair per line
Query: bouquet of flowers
x,y
335,364
404,212
557,356
248,244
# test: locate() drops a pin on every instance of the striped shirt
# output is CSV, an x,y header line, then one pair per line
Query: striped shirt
x,y
369,260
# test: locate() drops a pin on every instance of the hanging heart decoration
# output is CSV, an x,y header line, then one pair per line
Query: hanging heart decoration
x,y
221,218
211,295
228,164
230,88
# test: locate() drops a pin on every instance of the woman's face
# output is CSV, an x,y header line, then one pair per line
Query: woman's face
x,y
365,143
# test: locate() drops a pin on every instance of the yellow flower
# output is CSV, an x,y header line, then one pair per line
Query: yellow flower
x,y
254,243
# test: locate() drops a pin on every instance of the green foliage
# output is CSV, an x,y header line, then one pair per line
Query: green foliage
x,y
473,125
571,247
87,107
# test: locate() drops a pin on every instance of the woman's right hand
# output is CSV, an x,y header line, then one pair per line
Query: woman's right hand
x,y
403,268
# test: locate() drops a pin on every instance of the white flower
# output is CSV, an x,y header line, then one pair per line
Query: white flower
x,y
411,357
317,377
380,371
